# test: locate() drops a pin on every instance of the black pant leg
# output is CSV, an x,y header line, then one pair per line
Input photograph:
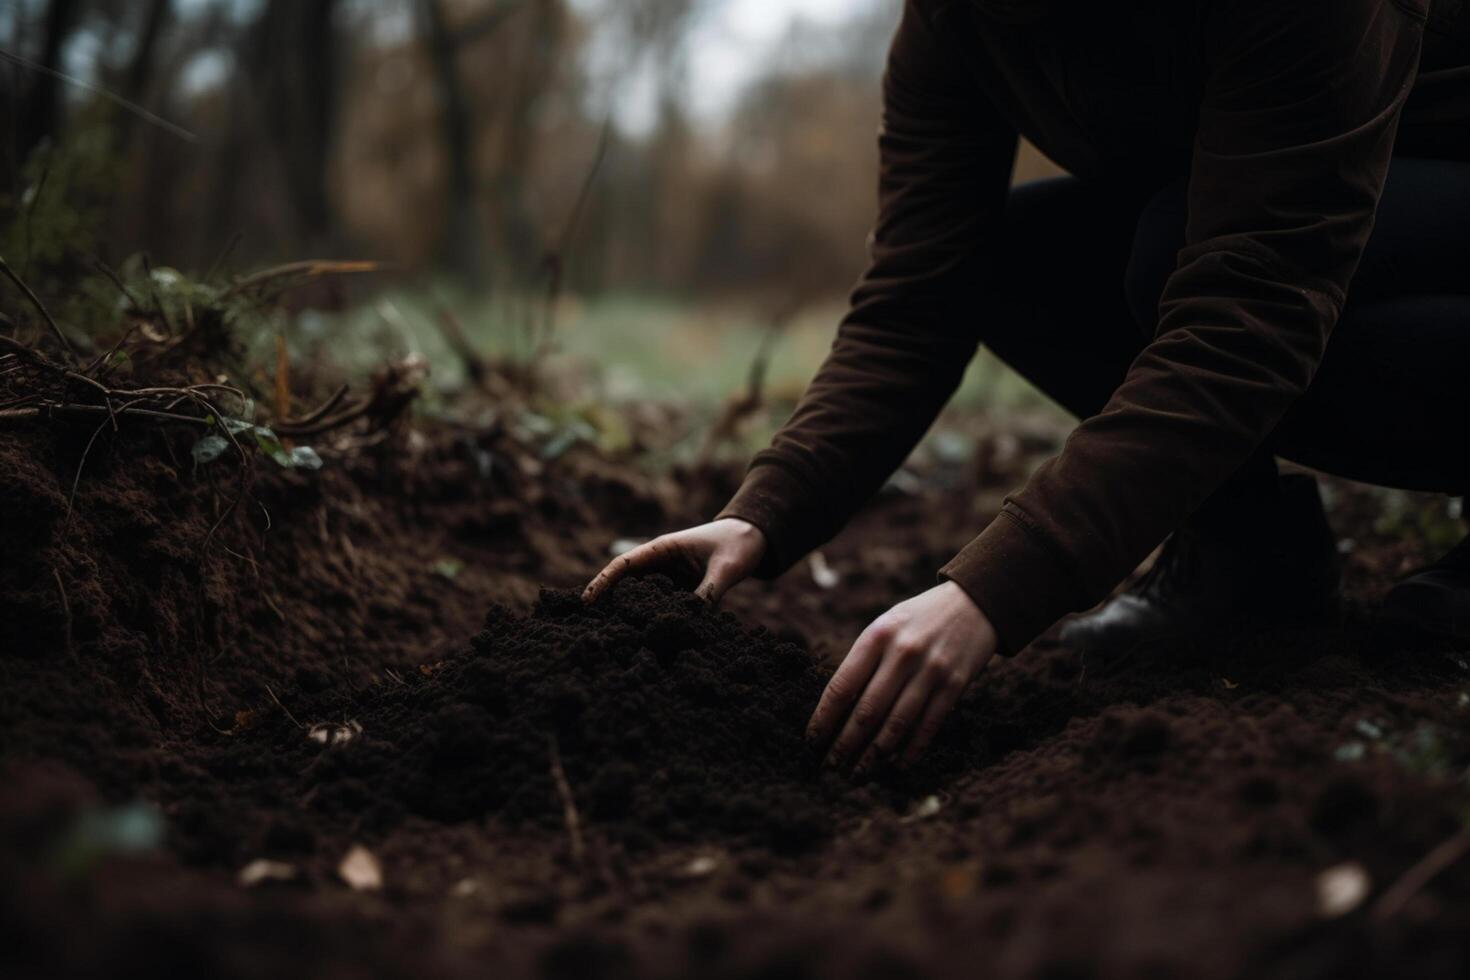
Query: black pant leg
x,y
1054,307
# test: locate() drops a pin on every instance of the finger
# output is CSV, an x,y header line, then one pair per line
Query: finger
x,y
907,710
639,560
938,709
719,577
843,689
872,708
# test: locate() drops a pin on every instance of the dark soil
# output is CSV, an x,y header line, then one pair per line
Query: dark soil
x,y
1166,814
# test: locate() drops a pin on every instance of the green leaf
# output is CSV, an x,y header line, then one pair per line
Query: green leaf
x,y
270,444
305,458
558,445
209,448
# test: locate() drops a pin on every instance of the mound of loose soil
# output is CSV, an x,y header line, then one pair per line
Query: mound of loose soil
x,y
1168,813
670,722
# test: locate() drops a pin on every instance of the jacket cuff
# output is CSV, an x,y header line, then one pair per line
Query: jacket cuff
x,y
774,500
1016,578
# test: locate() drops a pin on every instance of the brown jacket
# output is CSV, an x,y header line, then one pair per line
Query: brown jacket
x,y
1284,114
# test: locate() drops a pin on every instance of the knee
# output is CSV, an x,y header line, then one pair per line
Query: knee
x,y
1157,240
1036,216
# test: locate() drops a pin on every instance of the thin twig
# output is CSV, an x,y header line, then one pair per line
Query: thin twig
x,y
307,268
36,302
118,100
1413,881
51,410
245,470
104,362
554,263
66,609
224,254
316,414
568,805
122,287
77,480
282,706
31,210
355,411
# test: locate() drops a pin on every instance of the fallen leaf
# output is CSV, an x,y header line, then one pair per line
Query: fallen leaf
x,y
824,574
1341,888
448,568
1228,684
1369,729
960,881
464,888
701,866
262,870
328,733
361,870
924,809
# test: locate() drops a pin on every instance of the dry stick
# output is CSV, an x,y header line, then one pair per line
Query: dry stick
x,y
107,271
54,409
737,410
474,365
555,261
104,362
36,302
118,100
306,267
282,706
157,298
1413,881
315,415
224,254
245,471
77,480
297,430
65,608
283,377
568,805
31,210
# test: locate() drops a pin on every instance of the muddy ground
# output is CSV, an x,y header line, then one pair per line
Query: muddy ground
x,y
381,659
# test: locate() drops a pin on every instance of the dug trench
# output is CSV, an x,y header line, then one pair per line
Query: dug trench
x,y
558,790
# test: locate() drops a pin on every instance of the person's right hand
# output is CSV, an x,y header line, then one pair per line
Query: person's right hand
x,y
725,551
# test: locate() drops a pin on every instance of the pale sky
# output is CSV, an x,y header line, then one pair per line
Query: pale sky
x,y
730,42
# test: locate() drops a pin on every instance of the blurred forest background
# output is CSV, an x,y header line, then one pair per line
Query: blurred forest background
x,y
690,178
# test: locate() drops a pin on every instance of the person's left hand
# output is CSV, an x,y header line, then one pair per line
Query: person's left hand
x,y
901,679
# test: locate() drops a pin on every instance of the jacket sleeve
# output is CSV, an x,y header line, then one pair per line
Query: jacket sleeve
x,y
945,163
1295,134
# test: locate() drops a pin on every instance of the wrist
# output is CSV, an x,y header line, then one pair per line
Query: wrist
x,y
747,535
972,617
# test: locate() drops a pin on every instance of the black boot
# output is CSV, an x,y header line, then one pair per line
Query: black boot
x,y
1434,601
1283,568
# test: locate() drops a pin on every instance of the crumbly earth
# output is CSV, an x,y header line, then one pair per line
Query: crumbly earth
x,y
320,675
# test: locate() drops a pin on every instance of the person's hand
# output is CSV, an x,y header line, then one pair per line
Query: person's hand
x,y
724,551
901,679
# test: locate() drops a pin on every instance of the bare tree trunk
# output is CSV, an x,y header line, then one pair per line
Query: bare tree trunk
x,y
41,108
140,67
294,56
534,75
463,248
